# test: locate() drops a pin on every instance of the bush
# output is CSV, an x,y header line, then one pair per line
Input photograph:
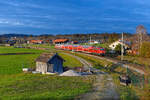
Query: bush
x,y
145,49
118,49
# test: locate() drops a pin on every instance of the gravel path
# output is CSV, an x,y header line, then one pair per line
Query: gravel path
x,y
103,88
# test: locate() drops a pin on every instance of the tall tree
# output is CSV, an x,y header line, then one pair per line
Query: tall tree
x,y
141,35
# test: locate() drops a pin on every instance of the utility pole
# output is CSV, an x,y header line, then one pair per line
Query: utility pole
x,y
90,39
122,49
141,40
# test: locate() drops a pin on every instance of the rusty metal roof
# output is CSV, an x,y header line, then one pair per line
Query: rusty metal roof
x,y
46,57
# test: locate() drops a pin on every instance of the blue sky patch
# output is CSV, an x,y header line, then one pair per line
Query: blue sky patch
x,y
72,16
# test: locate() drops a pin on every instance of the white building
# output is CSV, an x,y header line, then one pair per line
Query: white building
x,y
114,44
94,42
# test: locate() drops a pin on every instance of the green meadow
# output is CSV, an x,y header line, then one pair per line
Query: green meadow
x,y
42,87
15,85
18,50
13,63
70,61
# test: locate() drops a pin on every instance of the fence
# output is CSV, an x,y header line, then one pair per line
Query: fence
x,y
138,79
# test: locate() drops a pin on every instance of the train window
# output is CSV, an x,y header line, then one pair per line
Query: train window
x,y
101,49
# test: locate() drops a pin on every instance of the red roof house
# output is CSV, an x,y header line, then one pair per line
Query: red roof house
x,y
35,42
59,41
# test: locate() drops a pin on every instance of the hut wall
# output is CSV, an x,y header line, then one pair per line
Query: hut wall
x,y
58,65
41,67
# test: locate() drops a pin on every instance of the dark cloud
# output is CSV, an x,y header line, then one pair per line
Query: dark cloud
x,y
72,16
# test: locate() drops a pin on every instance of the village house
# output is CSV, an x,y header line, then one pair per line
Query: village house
x,y
35,42
114,44
60,41
94,42
74,42
9,44
49,63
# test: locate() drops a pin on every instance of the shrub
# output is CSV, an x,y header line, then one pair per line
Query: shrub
x,y
145,49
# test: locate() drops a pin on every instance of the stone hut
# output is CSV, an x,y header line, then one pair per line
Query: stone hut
x,y
51,63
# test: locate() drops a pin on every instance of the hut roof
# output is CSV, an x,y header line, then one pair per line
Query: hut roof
x,y
45,57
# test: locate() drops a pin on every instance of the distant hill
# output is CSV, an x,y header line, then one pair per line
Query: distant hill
x,y
82,38
13,35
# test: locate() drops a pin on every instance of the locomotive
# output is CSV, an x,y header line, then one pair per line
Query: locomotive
x,y
82,48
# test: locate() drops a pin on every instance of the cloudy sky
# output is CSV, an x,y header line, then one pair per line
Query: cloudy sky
x,y
73,16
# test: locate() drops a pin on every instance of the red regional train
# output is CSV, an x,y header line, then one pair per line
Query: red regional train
x,y
82,48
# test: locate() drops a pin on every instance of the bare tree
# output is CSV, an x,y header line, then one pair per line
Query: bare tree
x,y
141,35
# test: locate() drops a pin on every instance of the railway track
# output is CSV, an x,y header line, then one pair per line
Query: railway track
x,y
117,62
134,67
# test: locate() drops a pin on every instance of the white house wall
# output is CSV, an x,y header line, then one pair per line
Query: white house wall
x,y
113,45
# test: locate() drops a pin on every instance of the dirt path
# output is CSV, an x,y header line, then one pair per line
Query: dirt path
x,y
103,88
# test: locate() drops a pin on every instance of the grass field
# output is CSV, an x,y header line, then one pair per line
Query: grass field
x,y
14,85
137,60
70,61
13,64
18,50
42,87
